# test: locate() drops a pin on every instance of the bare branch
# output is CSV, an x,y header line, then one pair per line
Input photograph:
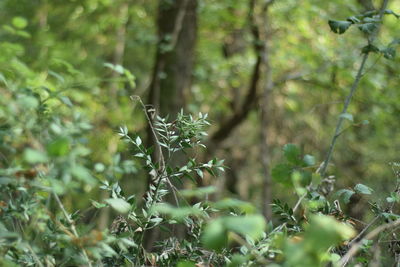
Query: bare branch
x,y
356,246
249,102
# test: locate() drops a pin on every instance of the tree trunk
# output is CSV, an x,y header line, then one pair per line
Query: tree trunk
x,y
172,74
264,110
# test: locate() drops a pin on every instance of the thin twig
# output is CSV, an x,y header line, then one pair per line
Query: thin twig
x,y
72,225
34,255
260,258
349,97
397,189
355,239
344,111
389,241
297,205
161,160
174,191
161,172
356,246
161,156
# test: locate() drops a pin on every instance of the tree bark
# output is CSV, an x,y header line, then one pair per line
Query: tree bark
x,y
172,74
264,120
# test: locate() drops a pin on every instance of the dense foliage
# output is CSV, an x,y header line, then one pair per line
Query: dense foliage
x,y
90,175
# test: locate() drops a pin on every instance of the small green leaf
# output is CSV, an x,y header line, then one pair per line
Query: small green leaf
x,y
345,194
3,79
6,180
232,203
198,192
281,174
347,116
390,216
200,173
390,200
177,213
389,52
57,186
353,19
371,20
309,160
131,78
239,260
19,22
119,205
369,14
98,205
368,27
215,235
305,178
186,264
28,102
338,26
363,189
395,42
83,174
334,257
35,156
324,232
251,225
99,167
390,12
58,147
394,197
66,101
316,179
292,153
138,141
117,68
370,49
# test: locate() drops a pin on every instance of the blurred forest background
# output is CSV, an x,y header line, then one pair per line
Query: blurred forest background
x,y
264,81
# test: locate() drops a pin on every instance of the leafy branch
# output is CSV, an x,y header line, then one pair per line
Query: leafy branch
x,y
370,28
